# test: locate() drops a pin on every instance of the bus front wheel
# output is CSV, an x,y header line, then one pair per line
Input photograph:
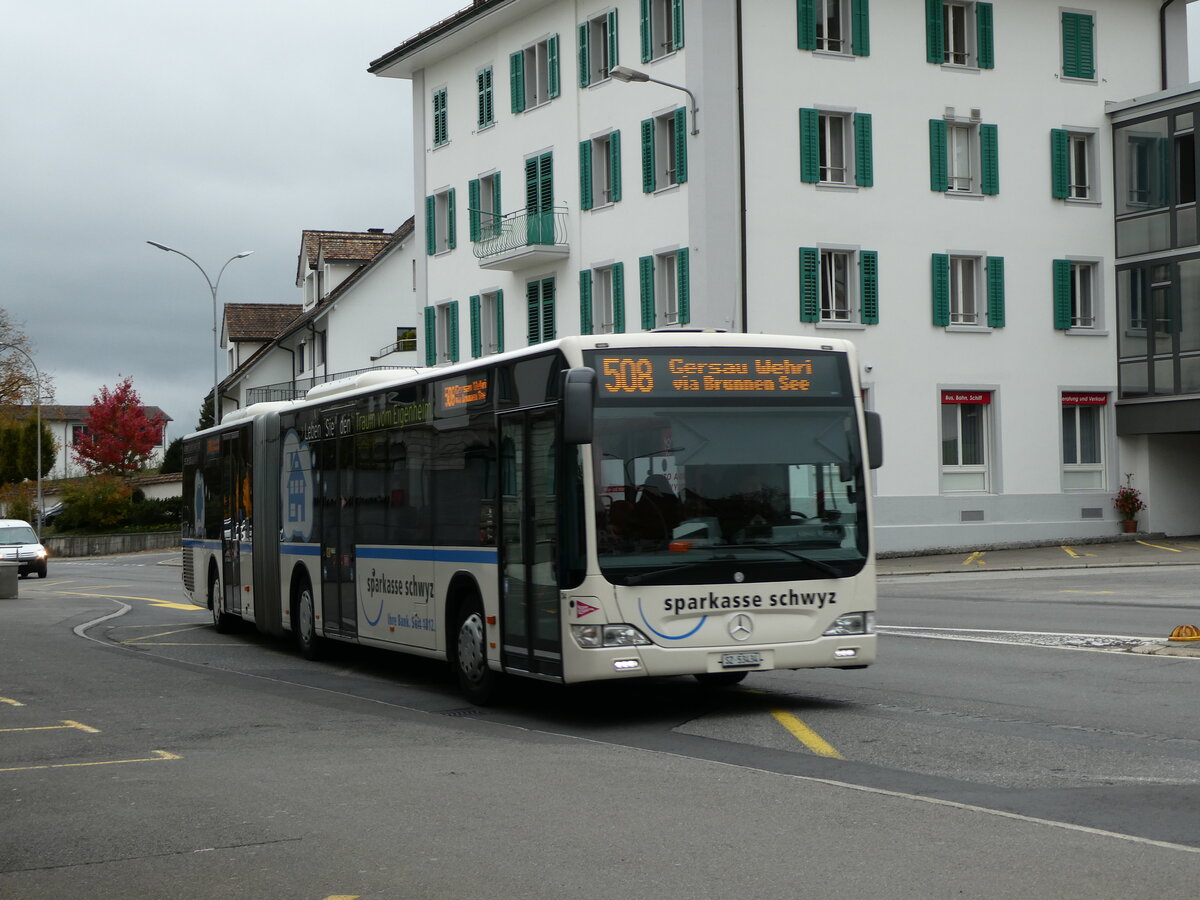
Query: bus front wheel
x,y
222,621
305,622
477,681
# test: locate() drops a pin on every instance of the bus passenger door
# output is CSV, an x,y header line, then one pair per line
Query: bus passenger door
x,y
531,625
336,462
235,518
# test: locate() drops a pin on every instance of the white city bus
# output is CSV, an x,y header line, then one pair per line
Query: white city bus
x,y
597,507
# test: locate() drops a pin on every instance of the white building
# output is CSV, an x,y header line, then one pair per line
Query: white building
x,y
929,179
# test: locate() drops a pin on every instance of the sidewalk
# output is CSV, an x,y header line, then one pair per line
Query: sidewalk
x,y
1131,550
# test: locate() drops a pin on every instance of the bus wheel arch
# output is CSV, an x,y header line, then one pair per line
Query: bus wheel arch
x,y
222,621
467,641
304,614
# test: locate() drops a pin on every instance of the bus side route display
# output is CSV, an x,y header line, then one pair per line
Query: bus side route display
x,y
663,374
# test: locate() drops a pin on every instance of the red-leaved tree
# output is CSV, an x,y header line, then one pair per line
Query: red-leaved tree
x,y
119,436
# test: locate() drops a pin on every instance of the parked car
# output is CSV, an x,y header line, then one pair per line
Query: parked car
x,y
19,543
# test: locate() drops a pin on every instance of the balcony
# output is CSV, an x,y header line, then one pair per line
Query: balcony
x,y
295,390
521,240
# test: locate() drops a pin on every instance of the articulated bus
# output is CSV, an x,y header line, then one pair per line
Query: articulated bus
x,y
596,507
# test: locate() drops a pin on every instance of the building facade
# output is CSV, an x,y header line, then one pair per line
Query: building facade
x,y
930,178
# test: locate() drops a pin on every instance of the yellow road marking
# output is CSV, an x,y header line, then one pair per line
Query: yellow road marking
x,y
976,558
1188,547
805,735
158,755
11,702
343,897
153,601
1158,546
1071,552
66,723
1087,592
147,637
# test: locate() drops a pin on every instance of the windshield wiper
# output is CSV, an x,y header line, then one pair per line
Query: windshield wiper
x,y
818,564
645,577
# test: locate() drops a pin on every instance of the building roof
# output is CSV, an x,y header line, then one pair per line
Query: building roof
x,y
432,34
258,321
338,246
59,412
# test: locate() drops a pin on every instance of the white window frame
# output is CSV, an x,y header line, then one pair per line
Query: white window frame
x,y
603,315
1086,296
1077,475
490,314
442,313
966,477
602,170
598,44
537,73
441,220
968,301
962,139
662,29
1082,183
836,12
664,151
489,218
834,312
666,286
962,50
835,141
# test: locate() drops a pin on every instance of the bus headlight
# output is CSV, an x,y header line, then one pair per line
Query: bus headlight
x,y
852,623
618,635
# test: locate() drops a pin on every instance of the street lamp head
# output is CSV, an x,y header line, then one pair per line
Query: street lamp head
x,y
160,246
625,74
243,254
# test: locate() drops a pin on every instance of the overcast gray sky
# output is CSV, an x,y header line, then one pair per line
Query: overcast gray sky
x,y
212,127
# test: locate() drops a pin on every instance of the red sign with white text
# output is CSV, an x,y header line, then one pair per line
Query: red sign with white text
x,y
1084,398
966,396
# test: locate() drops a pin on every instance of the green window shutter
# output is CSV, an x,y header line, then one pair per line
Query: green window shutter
x,y
985,41
676,24
1078,45
864,156
1062,293
989,159
451,221
552,76
860,23
614,170
500,320
585,66
681,134
618,297
648,180
585,174
497,208
430,225
646,285
613,43
1060,165
647,48
683,285
810,284
935,45
995,291
585,301
430,336
548,318
940,272
473,209
806,25
452,337
939,176
476,331
533,305
868,292
487,110
516,71
440,134
810,146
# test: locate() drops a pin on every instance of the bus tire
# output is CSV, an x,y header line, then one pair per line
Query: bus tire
x,y
304,621
720,679
480,683
222,621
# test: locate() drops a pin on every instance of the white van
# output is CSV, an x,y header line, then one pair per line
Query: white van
x,y
19,543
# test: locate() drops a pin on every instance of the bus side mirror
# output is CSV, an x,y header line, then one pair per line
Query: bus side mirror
x,y
579,405
874,439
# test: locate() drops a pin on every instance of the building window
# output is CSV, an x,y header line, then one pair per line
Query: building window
x,y
440,222
486,98
484,213
834,26
836,148
964,156
839,286
540,321
959,33
441,130
597,47
487,323
602,299
539,199
662,28
1072,164
964,288
600,170
664,281
447,332
968,290
1083,440
534,74
1078,45
965,428
406,338
1075,293
664,150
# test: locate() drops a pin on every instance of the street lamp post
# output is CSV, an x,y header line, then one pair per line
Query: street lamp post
x,y
41,511
626,75
212,286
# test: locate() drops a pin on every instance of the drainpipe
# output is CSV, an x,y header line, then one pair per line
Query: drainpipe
x,y
741,117
1162,40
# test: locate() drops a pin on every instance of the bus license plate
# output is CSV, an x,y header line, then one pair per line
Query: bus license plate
x,y
742,660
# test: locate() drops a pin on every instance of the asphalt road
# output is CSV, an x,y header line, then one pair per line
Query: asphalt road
x,y
143,755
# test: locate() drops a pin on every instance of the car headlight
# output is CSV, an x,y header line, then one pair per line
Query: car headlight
x,y
852,623
617,635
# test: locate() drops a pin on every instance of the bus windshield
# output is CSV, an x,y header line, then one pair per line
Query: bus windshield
x,y
687,494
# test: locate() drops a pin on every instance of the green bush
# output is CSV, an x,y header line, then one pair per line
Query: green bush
x,y
94,504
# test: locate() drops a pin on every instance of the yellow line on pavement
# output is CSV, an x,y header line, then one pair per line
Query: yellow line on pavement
x,y
11,702
1158,546
155,601
343,897
147,637
1087,592
976,558
805,735
1070,551
158,755
66,723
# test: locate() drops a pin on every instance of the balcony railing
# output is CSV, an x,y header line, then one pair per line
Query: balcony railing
x,y
521,238
293,390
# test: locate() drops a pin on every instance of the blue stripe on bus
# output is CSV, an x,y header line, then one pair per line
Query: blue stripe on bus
x,y
428,554
299,550
202,542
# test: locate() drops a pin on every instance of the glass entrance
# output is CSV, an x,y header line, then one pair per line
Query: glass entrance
x,y
236,517
335,460
531,623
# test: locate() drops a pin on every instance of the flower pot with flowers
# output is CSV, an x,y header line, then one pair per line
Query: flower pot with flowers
x,y
1129,503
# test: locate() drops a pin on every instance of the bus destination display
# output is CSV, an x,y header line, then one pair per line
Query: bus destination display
x,y
654,373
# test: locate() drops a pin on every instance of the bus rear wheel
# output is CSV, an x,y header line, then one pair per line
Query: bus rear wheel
x,y
720,679
222,621
478,682
304,622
